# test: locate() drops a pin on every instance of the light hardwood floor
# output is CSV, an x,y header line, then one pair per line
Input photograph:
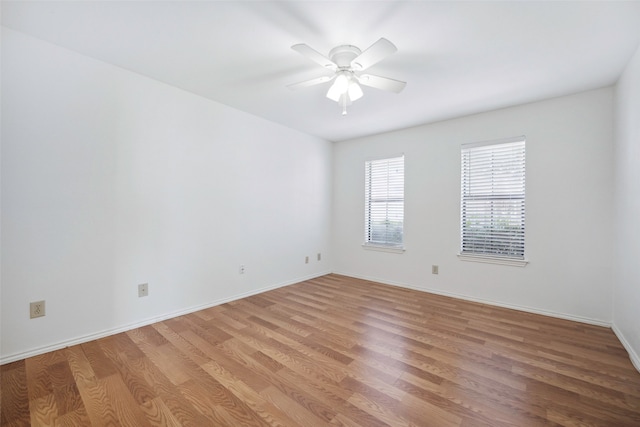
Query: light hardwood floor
x,y
334,351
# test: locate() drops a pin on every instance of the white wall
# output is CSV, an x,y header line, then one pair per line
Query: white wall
x,y
626,290
569,214
111,179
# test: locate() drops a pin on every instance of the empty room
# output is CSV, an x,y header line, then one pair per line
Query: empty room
x,y
310,213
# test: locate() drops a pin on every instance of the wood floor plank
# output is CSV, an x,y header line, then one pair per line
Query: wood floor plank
x,y
132,374
80,366
178,406
334,351
387,414
65,389
100,409
299,414
272,415
159,414
126,408
171,362
14,396
44,410
400,403
79,417
100,364
182,344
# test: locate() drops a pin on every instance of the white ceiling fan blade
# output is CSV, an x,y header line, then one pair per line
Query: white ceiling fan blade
x,y
314,56
374,54
311,82
383,83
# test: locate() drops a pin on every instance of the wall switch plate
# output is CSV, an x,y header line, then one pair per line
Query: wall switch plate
x,y
434,269
241,269
319,256
143,290
36,309
306,260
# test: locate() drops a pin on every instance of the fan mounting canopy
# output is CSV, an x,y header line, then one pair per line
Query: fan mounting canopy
x,y
343,55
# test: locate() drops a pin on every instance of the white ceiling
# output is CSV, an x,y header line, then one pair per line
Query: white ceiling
x,y
457,58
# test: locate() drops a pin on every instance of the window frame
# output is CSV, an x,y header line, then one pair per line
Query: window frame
x,y
386,245
494,195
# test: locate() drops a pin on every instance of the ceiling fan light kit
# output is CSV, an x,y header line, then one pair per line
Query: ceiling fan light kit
x,y
346,61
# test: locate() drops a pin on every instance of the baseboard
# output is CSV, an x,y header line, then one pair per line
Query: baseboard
x,y
525,309
635,359
105,333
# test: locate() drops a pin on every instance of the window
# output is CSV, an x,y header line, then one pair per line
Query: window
x,y
384,203
493,200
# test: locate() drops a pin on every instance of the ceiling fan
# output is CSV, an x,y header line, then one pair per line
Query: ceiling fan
x,y
347,62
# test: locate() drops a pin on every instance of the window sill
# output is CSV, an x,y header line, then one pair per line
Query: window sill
x,y
493,260
392,249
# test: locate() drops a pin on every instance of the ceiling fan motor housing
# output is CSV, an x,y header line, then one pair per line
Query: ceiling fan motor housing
x,y
343,55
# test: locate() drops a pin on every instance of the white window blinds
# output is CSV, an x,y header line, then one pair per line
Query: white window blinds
x,y
493,199
384,202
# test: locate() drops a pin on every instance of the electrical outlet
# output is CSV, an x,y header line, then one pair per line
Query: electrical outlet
x,y
319,256
306,260
143,290
241,269
434,269
36,309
